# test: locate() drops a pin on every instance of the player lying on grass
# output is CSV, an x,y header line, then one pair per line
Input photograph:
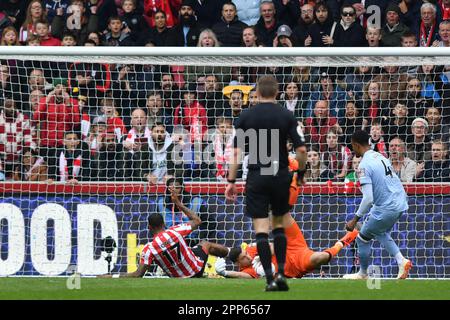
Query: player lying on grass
x,y
300,260
169,250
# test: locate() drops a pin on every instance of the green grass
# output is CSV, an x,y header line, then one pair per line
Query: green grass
x,y
217,289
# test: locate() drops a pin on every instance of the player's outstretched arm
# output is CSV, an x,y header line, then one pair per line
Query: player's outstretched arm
x,y
195,220
364,207
139,273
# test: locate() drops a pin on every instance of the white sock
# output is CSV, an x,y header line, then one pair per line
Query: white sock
x,y
399,257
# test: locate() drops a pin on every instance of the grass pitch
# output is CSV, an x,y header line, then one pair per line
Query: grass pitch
x,y
219,289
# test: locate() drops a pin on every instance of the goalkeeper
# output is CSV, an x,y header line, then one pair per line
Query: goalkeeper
x,y
300,260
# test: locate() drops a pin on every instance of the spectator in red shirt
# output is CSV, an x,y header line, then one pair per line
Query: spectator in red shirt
x,y
377,140
15,134
114,122
42,30
57,113
317,127
169,7
191,114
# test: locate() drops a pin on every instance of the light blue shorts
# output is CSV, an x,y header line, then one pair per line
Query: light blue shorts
x,y
378,223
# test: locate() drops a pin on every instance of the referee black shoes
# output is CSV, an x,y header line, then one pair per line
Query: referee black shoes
x,y
278,284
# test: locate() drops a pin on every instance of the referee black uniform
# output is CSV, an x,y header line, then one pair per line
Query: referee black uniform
x,y
268,178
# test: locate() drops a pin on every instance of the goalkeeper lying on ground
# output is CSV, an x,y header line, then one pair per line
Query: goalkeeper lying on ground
x,y
300,260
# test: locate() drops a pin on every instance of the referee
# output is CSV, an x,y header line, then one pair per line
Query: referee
x,y
265,129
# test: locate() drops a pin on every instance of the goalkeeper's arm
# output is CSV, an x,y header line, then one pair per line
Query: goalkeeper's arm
x,y
221,270
139,273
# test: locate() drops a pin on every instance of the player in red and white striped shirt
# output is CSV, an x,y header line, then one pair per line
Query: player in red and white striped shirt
x,y
169,250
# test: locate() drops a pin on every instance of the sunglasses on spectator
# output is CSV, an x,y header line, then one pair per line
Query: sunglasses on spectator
x,y
348,14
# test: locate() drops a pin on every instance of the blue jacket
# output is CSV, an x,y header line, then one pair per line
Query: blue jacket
x,y
248,11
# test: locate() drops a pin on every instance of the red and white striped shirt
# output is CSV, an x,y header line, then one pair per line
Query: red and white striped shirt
x,y
15,133
170,251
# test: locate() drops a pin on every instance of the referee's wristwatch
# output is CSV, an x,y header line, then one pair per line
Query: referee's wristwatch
x,y
231,180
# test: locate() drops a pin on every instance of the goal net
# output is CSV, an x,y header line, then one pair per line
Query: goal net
x,y
89,140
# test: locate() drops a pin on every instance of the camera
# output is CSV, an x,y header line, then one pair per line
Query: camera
x,y
108,245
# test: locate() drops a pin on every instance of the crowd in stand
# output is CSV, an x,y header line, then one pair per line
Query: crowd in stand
x,y
84,121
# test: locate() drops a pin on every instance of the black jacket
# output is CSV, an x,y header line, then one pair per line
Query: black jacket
x,y
159,39
175,38
209,11
289,13
318,30
266,36
352,37
435,171
229,34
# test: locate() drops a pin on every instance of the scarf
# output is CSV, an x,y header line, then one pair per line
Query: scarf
x,y
222,151
373,110
425,39
64,169
38,162
132,135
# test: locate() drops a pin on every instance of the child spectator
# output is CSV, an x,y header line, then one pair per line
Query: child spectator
x,y
94,36
376,139
116,35
398,124
352,175
42,30
32,167
33,40
113,120
10,37
315,172
133,22
69,40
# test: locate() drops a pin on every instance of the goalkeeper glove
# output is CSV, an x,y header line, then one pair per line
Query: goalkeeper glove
x,y
221,267
258,267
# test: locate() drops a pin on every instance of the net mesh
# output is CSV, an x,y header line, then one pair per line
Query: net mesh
x,y
83,154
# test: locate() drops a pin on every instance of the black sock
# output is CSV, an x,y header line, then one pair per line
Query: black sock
x,y
262,244
279,244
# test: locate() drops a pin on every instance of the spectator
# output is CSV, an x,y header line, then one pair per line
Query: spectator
x,y
96,135
34,98
249,38
292,99
235,105
392,83
410,14
330,92
68,40
324,26
77,22
444,6
373,36
229,29
419,142
108,165
437,169
31,167
398,124
35,13
415,102
376,141
156,112
317,126
436,129
350,123
161,146
51,7
288,11
170,94
409,40
212,100
57,113
315,172
284,37
186,33
169,7
248,11
14,13
72,160
351,178
191,114
267,25
8,87
394,29
117,35
335,158
42,30
252,98
432,84
374,107
208,12
427,34
158,34
114,121
357,80
105,9
10,37
15,135
302,36
132,20
95,36
405,168
136,145
444,32
349,33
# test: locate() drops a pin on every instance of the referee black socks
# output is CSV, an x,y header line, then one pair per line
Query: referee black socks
x,y
279,244
262,244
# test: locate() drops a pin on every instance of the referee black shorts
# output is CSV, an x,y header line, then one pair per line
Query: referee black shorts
x,y
264,190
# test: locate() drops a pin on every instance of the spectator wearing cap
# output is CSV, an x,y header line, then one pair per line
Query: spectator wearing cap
x,y
209,12
324,25
229,29
427,34
97,134
394,29
169,7
77,21
349,32
284,37
437,169
306,20
15,134
191,114
267,25
187,32
287,11
405,168
330,92
418,144
248,11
